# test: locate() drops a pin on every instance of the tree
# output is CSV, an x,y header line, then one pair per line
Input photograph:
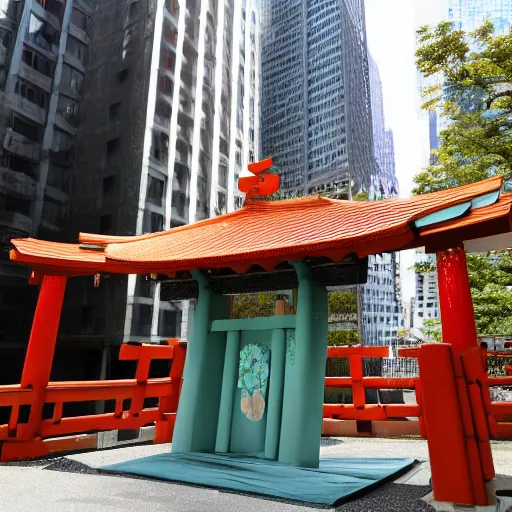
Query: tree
x,y
342,303
474,76
432,330
490,279
253,305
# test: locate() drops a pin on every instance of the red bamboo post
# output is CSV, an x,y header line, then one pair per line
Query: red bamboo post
x,y
41,348
457,315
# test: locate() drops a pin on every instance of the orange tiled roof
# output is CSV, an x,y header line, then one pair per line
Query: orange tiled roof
x,y
267,233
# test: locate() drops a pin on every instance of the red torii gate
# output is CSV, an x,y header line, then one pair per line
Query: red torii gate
x,y
454,396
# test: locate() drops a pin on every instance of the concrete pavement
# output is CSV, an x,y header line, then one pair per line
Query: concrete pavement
x,y
33,488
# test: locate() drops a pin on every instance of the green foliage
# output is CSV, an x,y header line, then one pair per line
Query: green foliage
x,y
474,73
490,278
337,338
253,305
402,334
432,330
424,267
342,303
361,196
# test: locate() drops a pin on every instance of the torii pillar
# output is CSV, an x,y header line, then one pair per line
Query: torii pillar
x,y
457,314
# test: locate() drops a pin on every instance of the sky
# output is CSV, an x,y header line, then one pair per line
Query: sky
x,y
391,27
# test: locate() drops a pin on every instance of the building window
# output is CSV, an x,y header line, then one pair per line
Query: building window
x,y
26,129
77,49
37,62
134,7
43,34
145,317
166,85
114,112
106,224
113,145
72,81
31,93
69,109
5,37
81,21
122,75
155,191
108,184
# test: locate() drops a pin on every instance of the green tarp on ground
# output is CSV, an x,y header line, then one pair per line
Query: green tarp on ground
x,y
337,478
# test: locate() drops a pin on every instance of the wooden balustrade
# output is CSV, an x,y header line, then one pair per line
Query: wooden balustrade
x,y
17,440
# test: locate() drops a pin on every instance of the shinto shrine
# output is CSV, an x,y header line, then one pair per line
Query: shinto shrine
x,y
252,393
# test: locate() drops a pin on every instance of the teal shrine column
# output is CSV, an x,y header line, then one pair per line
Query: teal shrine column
x,y
198,410
301,426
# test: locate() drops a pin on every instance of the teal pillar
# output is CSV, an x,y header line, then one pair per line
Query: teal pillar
x,y
229,387
301,426
275,393
198,410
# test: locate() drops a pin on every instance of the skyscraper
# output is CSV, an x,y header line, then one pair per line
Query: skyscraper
x,y
470,14
44,51
316,114
382,313
159,122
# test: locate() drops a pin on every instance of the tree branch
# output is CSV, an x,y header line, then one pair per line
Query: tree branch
x,y
494,97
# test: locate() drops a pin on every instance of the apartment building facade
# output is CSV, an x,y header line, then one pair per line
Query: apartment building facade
x,y
146,112
426,301
44,50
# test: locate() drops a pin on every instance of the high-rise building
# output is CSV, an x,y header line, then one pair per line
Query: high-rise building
x,y
152,132
44,51
382,313
469,14
426,301
316,113
384,183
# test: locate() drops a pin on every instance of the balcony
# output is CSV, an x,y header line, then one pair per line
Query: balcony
x,y
64,125
74,62
44,14
184,134
26,108
186,108
20,145
162,122
33,76
79,34
17,184
183,158
158,165
16,221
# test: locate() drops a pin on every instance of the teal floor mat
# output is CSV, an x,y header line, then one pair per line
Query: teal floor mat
x,y
336,479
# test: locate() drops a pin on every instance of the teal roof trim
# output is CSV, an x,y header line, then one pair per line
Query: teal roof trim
x,y
485,200
443,215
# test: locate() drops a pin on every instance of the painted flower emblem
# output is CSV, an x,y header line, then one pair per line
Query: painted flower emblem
x,y
253,373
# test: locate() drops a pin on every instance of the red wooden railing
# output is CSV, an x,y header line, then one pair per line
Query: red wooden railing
x,y
42,436
361,413
17,440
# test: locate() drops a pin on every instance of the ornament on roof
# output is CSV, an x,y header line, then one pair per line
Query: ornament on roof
x,y
258,183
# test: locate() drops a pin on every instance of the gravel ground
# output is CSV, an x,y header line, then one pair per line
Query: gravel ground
x,y
30,486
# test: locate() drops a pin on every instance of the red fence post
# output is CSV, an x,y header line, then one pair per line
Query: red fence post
x,y
169,405
449,462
